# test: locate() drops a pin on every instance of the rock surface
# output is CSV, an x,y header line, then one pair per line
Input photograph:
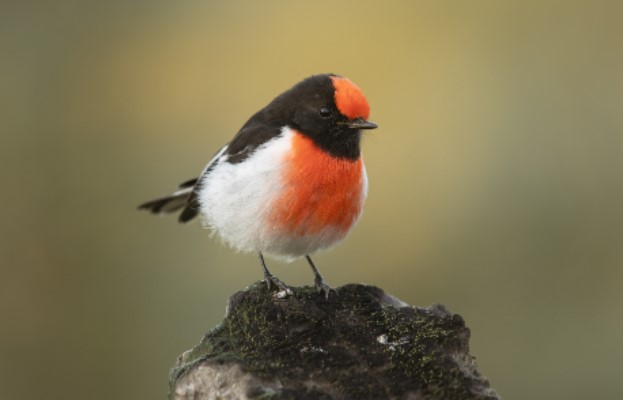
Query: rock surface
x,y
359,344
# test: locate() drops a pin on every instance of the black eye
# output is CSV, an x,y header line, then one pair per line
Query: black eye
x,y
325,112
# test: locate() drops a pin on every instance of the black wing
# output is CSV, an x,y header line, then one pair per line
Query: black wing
x,y
259,129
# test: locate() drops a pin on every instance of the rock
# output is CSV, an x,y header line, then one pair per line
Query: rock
x,y
359,344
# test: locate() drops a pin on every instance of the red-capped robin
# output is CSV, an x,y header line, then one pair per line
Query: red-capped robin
x,y
291,182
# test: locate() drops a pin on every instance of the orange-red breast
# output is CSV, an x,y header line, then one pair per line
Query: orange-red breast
x,y
291,182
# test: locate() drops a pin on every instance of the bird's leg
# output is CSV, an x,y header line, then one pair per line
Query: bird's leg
x,y
270,279
321,285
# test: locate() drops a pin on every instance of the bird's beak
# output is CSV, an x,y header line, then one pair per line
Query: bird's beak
x,y
360,123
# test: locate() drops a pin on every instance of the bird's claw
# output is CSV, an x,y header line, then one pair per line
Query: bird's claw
x,y
322,286
283,289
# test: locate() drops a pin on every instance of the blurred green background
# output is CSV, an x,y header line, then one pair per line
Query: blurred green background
x,y
496,179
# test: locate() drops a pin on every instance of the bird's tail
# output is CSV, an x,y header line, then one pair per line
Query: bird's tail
x,y
168,204
185,198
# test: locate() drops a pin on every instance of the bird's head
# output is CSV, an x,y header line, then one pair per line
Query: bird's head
x,y
331,110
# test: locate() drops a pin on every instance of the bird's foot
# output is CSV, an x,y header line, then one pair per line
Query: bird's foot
x,y
282,289
322,286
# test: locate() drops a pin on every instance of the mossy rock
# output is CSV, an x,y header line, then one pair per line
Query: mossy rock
x,y
359,344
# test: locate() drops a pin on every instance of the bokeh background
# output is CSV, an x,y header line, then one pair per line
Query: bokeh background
x,y
496,179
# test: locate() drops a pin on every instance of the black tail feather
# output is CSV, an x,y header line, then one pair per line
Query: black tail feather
x,y
190,211
167,204
186,198
189,183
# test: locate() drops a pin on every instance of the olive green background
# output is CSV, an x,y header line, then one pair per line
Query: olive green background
x,y
496,179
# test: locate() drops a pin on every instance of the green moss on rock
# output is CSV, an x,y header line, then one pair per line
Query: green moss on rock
x,y
359,344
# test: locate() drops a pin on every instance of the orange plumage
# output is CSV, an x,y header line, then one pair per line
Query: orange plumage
x,y
321,191
349,99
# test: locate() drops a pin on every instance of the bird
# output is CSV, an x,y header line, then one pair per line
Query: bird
x,y
290,183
